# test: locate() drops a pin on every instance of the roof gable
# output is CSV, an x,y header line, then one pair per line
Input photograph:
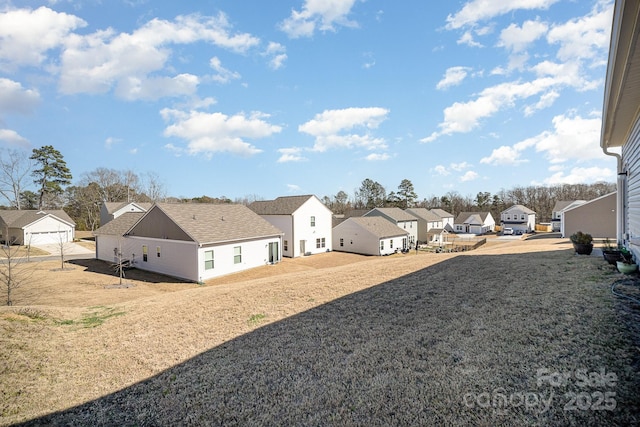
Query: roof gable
x,y
285,205
23,218
395,214
202,223
442,213
120,225
519,208
377,226
472,218
425,214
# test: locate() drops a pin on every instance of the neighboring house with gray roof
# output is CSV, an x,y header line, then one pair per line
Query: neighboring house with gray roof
x,y
369,235
305,221
474,223
192,241
111,210
36,227
519,218
400,218
559,207
427,221
447,218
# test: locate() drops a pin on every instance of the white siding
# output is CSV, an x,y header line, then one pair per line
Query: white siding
x,y
631,200
304,230
177,258
360,241
254,253
47,230
283,223
107,247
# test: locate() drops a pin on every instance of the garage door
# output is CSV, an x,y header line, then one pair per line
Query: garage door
x,y
47,238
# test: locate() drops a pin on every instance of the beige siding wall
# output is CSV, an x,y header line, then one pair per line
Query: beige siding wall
x,y
597,217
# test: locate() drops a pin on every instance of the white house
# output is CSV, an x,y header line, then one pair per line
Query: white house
x,y
518,217
33,227
474,223
402,219
111,210
427,220
558,208
447,218
305,221
620,132
192,241
370,235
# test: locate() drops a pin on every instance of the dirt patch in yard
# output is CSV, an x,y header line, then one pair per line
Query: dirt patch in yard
x,y
331,339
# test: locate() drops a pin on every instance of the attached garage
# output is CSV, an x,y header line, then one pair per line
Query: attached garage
x,y
31,227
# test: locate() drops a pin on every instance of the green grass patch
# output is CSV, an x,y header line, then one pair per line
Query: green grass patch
x,y
93,318
256,319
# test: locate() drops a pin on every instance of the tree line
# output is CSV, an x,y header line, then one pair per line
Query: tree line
x,y
42,180
541,199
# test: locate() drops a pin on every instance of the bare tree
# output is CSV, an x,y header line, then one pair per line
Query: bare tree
x,y
14,272
154,188
15,167
62,247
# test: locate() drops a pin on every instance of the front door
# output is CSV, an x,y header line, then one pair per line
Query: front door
x,y
404,243
273,253
303,247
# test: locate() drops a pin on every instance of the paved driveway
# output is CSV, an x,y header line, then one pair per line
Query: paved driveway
x,y
69,249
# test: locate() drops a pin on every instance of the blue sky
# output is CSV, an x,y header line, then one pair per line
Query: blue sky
x,y
264,99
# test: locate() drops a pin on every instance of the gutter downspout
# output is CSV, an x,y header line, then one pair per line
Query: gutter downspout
x,y
621,186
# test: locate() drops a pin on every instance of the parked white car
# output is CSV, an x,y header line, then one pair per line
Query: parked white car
x,y
507,231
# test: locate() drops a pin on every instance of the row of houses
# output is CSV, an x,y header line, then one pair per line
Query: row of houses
x,y
198,242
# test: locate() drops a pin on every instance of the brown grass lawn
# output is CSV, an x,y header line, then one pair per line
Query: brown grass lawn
x,y
331,339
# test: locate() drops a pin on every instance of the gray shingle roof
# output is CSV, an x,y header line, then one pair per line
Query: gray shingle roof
x,y
378,226
467,216
563,204
442,213
396,214
22,218
520,207
424,214
212,223
114,206
120,225
285,205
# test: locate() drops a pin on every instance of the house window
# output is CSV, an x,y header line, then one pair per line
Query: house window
x,y
313,221
145,253
158,251
286,245
522,217
391,243
411,225
508,217
381,245
322,242
404,224
341,242
317,243
208,260
237,254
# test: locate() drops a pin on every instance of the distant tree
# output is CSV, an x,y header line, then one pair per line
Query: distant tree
x,y
371,194
154,188
28,200
51,173
406,193
14,271
14,167
394,200
482,199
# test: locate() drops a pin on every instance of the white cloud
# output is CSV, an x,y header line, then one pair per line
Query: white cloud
x,y
323,15
224,75
453,77
546,100
27,35
573,138
110,141
469,176
292,154
153,88
441,170
459,166
96,62
468,39
329,128
12,138
276,54
582,176
376,157
16,99
584,37
516,39
293,188
216,132
480,10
